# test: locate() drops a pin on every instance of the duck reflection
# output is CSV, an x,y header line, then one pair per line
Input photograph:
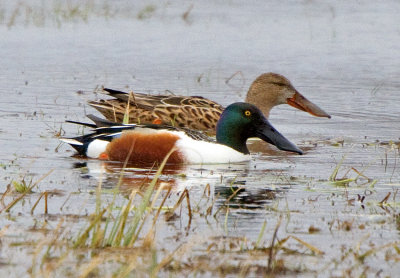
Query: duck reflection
x,y
235,185
179,177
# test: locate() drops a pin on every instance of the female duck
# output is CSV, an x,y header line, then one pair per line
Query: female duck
x,y
149,143
267,91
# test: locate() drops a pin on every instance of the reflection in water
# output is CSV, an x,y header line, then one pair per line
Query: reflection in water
x,y
179,177
113,174
258,146
231,185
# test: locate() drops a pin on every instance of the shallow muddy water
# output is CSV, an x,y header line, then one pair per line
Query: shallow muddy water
x,y
345,57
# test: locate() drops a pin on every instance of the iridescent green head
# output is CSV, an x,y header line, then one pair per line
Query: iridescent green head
x,y
240,121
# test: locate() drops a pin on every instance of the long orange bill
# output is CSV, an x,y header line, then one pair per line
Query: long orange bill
x,y
300,102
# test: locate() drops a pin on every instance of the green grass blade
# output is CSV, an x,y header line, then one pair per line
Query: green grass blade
x,y
133,231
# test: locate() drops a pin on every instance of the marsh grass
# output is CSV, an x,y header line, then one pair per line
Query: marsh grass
x,y
120,240
21,186
118,231
121,237
59,13
22,190
147,12
359,180
111,236
127,109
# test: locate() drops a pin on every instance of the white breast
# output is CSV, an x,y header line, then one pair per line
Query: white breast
x,y
202,152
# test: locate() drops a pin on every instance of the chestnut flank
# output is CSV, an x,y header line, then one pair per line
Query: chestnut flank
x,y
147,148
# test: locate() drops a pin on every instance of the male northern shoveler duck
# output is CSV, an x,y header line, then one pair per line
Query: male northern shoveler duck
x,y
267,91
149,143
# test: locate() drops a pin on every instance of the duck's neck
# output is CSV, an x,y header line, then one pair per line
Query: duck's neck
x,y
259,95
228,135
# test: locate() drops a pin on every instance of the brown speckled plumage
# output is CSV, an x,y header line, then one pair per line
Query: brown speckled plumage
x,y
193,112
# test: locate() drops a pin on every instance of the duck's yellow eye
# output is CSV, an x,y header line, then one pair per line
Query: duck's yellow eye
x,y
247,113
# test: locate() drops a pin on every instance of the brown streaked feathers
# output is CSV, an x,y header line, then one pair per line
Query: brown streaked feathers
x,y
195,113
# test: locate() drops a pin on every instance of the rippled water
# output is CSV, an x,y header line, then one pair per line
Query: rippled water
x,y
344,56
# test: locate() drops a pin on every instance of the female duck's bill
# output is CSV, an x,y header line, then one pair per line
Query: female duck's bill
x,y
267,91
149,143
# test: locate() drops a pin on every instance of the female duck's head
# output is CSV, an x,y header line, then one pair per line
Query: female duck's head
x,y
271,89
240,121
